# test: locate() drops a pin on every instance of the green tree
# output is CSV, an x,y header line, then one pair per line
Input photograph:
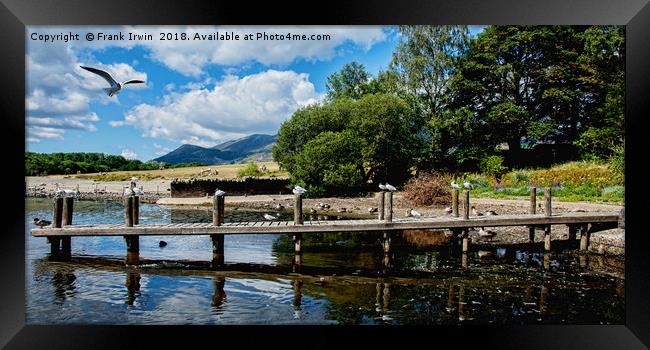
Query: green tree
x,y
351,82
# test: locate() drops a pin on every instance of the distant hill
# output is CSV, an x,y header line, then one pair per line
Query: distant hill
x,y
253,147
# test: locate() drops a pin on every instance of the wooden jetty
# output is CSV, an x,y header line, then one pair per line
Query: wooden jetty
x,y
62,229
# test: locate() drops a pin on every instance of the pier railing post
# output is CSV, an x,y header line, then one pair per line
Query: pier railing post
x,y
136,210
297,209
454,202
466,204
132,241
533,211
547,199
388,215
57,221
218,202
66,242
380,205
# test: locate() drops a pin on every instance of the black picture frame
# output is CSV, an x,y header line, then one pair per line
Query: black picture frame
x,y
16,14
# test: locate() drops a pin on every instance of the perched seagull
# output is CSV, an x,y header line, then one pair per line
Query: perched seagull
x,y
468,185
269,217
70,193
390,187
491,212
115,86
128,191
219,193
454,185
485,233
138,191
299,190
383,187
133,178
372,210
279,206
476,212
41,223
59,192
413,213
449,210
341,210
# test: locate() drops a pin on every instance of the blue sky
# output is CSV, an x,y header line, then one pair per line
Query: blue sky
x,y
198,92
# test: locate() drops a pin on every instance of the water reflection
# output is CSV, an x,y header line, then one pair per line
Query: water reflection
x,y
337,278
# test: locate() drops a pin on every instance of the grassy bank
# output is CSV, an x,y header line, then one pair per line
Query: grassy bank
x,y
574,181
226,171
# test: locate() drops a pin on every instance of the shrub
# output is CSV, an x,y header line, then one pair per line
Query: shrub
x,y
520,177
492,166
617,163
427,189
479,181
251,169
614,191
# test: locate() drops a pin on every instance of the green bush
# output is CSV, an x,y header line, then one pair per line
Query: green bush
x,y
251,169
520,177
614,191
492,166
617,163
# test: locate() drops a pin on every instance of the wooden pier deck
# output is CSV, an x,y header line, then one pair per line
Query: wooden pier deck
x,y
275,227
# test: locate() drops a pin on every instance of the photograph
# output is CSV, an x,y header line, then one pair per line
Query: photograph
x,y
412,174
349,174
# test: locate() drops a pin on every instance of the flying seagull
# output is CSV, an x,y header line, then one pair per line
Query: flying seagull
x,y
115,86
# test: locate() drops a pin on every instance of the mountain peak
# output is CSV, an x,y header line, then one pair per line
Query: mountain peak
x,y
256,146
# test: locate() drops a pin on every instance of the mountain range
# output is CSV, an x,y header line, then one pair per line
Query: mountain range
x,y
253,147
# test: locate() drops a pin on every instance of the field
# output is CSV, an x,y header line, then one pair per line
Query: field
x,y
226,171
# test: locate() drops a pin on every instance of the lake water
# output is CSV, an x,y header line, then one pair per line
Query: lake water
x,y
342,279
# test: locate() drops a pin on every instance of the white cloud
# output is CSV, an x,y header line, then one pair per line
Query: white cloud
x,y
128,154
161,150
235,107
59,92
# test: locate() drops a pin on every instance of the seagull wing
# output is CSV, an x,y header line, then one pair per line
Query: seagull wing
x,y
102,74
133,81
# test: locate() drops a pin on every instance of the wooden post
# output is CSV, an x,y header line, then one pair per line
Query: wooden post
x,y
465,241
297,209
547,199
216,209
547,238
66,242
380,204
531,234
222,209
584,238
132,241
136,210
454,202
297,240
533,200
128,211
57,221
389,206
466,203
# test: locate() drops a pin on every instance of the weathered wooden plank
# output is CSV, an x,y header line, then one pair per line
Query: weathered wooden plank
x,y
329,226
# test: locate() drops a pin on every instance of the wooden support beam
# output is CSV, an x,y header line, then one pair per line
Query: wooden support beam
x,y
128,211
132,241
466,241
297,241
66,242
547,238
466,204
454,203
533,200
297,209
218,256
584,238
547,199
380,205
531,234
388,215
57,222
136,210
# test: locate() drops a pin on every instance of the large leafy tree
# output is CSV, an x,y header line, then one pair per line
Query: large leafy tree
x,y
421,70
352,81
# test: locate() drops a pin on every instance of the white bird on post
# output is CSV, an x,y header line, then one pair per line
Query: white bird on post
x,y
454,185
299,190
468,185
115,86
138,191
383,187
390,187
413,213
219,193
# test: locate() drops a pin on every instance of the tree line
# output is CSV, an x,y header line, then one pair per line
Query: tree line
x,y
449,101
41,164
